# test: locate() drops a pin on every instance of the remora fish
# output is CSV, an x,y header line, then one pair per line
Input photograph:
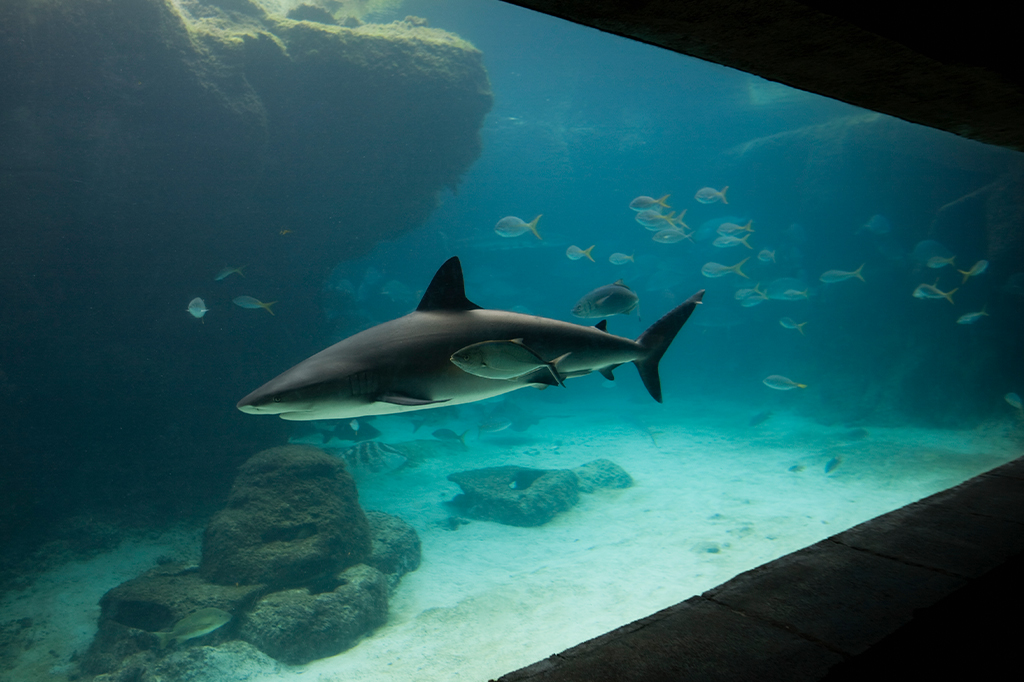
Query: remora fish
x,y
405,364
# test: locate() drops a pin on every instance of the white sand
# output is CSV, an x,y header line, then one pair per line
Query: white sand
x,y
711,500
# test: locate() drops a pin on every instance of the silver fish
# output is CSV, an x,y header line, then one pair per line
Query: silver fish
x,y
227,272
709,195
203,621
643,203
512,226
197,307
611,299
252,303
506,360
832,276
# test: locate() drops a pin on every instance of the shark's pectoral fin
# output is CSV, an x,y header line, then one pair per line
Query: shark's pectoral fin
x,y
407,401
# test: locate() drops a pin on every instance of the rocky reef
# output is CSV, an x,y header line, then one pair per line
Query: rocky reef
x,y
523,496
300,568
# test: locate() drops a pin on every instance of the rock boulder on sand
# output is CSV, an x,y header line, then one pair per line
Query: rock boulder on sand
x,y
292,516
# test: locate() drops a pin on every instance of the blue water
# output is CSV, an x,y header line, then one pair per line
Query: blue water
x,y
122,423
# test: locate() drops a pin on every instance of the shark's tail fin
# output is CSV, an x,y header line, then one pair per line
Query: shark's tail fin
x,y
656,340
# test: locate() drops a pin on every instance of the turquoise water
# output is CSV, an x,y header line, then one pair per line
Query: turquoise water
x,y
130,431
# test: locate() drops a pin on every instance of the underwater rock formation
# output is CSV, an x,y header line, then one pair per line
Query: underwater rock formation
x,y
293,516
301,625
396,547
522,496
301,569
601,473
131,612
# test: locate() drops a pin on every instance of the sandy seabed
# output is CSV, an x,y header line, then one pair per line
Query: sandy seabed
x,y
712,497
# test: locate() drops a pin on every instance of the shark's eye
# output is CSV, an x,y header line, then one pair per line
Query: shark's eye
x,y
277,398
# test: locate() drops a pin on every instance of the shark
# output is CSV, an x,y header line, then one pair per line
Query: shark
x,y
406,364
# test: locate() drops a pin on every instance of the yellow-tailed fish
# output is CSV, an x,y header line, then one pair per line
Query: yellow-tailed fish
x,y
788,323
511,226
766,256
252,303
971,318
670,236
781,383
794,295
709,195
653,220
733,228
839,275
227,272
976,269
932,291
727,240
620,258
719,270
575,253
643,203
939,262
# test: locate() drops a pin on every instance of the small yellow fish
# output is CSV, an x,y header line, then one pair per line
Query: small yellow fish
x,y
733,228
839,275
728,240
251,303
511,226
284,232
794,295
781,383
766,256
620,259
709,195
227,272
971,318
742,294
931,291
788,323
670,236
644,202
653,220
575,253
719,270
939,261
976,269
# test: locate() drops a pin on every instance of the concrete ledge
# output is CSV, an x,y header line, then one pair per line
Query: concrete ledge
x,y
819,610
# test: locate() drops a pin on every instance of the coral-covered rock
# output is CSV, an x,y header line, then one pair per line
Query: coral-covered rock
x,y
396,547
154,602
292,517
513,495
601,473
298,626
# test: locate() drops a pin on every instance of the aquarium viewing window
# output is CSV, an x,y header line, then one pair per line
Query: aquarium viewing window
x,y
855,348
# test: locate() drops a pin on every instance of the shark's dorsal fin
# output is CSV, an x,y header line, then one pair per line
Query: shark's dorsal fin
x,y
447,291
602,325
